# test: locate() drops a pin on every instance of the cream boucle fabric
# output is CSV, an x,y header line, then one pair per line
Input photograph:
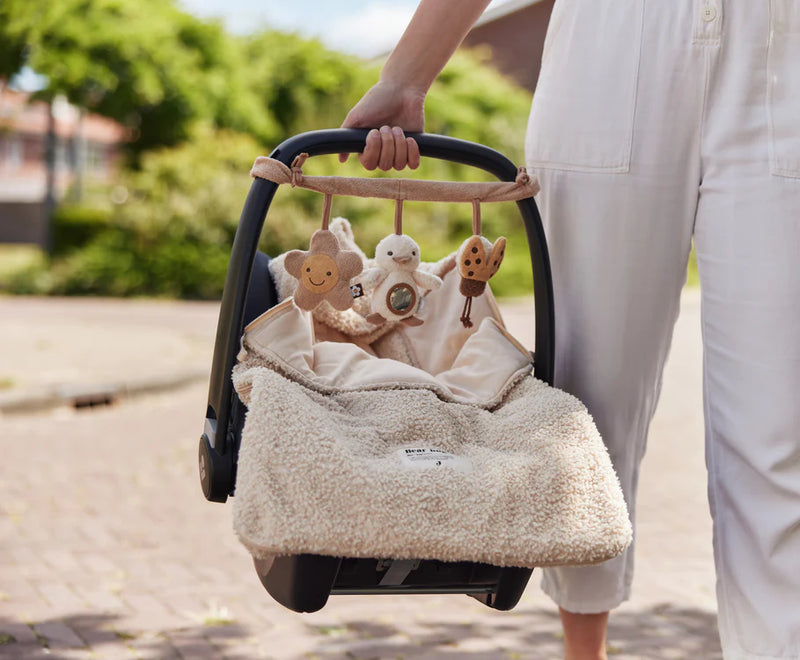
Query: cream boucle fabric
x,y
348,454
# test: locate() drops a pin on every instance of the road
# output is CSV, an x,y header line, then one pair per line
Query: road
x,y
108,550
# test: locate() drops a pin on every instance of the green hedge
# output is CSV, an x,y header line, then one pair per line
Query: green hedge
x,y
172,234
75,226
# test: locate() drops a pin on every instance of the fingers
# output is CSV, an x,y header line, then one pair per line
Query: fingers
x,y
386,159
413,153
400,148
371,155
388,148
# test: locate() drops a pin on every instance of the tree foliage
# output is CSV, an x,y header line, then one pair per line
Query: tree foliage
x,y
159,70
305,85
201,105
171,236
13,42
472,101
146,64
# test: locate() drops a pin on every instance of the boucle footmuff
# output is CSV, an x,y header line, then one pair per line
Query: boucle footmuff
x,y
421,439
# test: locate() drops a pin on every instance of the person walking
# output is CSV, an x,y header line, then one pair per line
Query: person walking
x,y
654,123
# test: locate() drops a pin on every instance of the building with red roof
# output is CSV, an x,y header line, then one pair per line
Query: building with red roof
x,y
87,149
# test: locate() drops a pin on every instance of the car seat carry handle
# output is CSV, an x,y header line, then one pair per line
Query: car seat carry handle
x,y
218,444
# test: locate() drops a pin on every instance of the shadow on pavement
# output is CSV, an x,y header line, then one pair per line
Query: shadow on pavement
x,y
666,631
660,633
100,636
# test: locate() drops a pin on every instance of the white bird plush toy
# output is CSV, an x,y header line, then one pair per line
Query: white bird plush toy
x,y
396,281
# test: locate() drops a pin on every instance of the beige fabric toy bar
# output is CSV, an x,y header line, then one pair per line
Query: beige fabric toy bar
x,y
406,189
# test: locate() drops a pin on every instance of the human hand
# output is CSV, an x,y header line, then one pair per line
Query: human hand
x,y
395,109
388,148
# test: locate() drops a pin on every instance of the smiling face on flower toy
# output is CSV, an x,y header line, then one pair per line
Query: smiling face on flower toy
x,y
323,272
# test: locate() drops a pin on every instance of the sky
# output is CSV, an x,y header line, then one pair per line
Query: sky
x,y
360,27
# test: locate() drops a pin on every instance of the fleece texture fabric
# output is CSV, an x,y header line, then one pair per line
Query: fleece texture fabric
x,y
464,458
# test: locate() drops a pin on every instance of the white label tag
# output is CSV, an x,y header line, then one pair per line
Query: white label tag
x,y
423,458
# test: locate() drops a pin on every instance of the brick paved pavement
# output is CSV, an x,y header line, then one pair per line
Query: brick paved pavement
x,y
108,550
55,348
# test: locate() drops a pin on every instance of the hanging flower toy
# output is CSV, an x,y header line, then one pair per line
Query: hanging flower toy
x,y
323,271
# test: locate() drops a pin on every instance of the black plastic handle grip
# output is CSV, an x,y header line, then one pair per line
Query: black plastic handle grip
x,y
315,143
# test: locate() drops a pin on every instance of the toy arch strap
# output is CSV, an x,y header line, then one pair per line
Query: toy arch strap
x,y
399,189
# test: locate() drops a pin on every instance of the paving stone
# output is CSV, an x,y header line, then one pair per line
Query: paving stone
x,y
75,654
112,544
101,600
116,650
57,634
153,647
59,596
61,560
191,646
25,651
13,632
94,562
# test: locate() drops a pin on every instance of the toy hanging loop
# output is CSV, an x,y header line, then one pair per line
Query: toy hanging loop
x,y
398,217
476,217
326,210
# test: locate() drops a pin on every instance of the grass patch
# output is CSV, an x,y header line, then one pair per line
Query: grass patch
x,y
14,257
5,639
330,631
21,266
125,636
41,639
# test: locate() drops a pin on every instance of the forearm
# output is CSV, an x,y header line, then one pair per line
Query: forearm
x,y
435,31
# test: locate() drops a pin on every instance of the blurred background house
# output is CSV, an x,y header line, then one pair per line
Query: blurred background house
x,y
86,149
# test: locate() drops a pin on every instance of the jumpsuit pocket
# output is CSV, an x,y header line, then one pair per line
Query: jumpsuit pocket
x,y
583,107
783,88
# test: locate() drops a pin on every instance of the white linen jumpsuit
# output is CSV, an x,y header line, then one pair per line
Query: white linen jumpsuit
x,y
655,121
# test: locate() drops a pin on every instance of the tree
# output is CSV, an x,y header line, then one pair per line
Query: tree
x,y
148,65
176,81
12,39
303,84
